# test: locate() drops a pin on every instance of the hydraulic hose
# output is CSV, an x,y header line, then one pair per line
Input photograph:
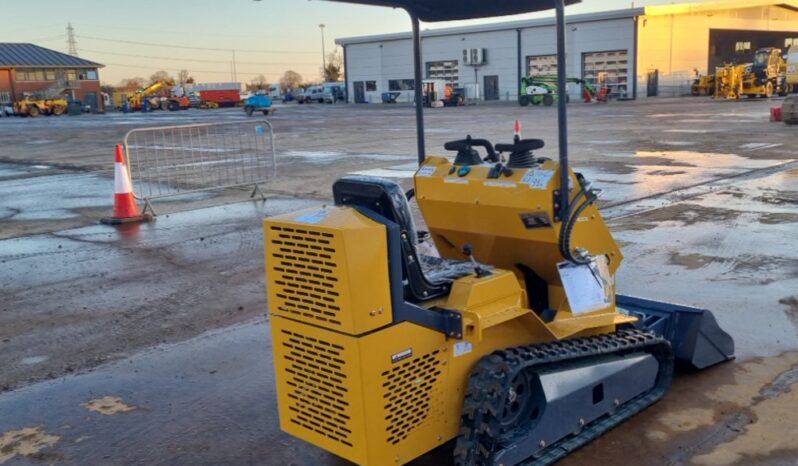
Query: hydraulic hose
x,y
568,224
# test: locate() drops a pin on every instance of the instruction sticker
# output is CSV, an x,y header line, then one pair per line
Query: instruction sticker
x,y
313,217
462,347
450,179
537,178
426,170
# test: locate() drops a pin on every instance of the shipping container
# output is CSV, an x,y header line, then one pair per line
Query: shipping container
x,y
222,97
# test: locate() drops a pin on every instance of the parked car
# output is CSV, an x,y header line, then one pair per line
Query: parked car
x,y
333,92
312,94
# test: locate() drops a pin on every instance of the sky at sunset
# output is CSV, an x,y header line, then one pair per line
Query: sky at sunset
x,y
137,38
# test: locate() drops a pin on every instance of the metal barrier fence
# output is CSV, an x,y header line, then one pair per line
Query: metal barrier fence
x,y
174,160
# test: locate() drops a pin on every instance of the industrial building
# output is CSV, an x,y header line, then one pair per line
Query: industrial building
x,y
30,69
636,52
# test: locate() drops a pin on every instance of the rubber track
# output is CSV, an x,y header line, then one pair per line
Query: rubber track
x,y
489,382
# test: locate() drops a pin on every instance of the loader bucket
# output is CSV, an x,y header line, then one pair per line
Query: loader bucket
x,y
697,340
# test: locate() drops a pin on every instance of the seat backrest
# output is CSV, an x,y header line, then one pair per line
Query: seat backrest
x,y
380,195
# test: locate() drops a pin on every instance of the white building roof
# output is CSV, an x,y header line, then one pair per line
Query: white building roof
x,y
490,27
678,8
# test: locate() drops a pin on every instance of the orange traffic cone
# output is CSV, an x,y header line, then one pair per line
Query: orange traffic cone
x,y
125,208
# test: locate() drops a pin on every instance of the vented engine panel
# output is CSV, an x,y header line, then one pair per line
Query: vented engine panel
x,y
369,398
328,267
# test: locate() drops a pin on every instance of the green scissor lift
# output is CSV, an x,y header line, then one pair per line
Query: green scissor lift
x,y
542,89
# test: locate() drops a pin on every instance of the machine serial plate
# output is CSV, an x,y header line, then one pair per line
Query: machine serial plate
x,y
401,355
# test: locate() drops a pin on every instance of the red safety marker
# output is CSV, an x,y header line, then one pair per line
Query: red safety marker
x,y
125,208
517,131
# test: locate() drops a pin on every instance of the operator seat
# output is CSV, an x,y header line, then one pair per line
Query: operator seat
x,y
424,277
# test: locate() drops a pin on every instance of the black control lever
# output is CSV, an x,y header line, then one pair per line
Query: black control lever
x,y
466,145
524,145
468,250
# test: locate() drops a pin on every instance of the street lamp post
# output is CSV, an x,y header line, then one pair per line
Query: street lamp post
x,y
323,57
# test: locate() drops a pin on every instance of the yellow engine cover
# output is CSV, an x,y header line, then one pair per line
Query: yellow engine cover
x,y
329,267
369,399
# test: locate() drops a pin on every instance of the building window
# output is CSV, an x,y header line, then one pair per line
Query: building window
x,y
401,85
790,41
541,65
446,70
71,75
49,75
371,86
742,47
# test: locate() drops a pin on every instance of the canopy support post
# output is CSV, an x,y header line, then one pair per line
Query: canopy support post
x,y
418,89
562,121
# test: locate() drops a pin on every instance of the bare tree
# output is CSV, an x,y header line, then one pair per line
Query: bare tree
x,y
291,80
183,78
335,67
163,76
131,84
258,83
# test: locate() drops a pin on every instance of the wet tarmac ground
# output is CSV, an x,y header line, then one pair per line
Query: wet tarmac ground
x,y
99,351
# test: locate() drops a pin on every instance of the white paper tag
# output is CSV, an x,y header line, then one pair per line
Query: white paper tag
x,y
537,178
450,179
586,290
426,170
462,347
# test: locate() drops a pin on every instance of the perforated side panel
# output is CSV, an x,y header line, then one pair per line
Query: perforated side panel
x,y
317,379
409,391
306,264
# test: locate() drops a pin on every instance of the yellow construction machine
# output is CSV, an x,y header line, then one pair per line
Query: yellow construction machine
x,y
34,106
764,77
509,344
703,85
156,102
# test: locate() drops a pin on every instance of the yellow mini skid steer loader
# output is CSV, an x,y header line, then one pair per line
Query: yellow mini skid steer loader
x,y
510,344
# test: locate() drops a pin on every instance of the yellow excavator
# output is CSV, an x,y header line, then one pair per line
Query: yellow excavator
x,y
497,332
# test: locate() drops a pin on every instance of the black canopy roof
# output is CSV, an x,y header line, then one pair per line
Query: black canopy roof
x,y
451,10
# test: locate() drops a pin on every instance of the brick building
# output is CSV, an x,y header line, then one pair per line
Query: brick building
x,y
30,69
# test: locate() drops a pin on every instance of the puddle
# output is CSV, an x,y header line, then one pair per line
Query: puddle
x,y
34,360
332,156
694,131
676,143
753,146
108,406
39,141
699,159
27,441
397,171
